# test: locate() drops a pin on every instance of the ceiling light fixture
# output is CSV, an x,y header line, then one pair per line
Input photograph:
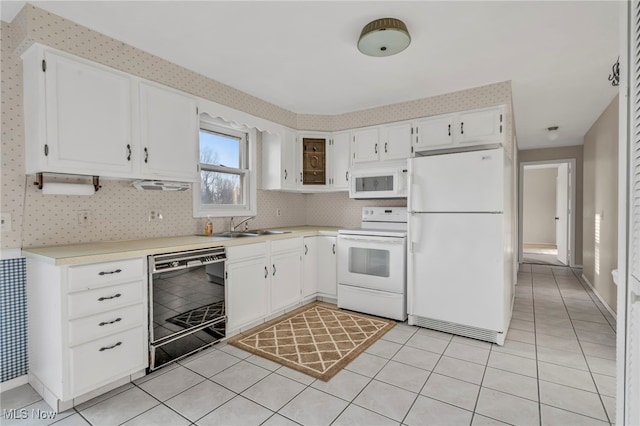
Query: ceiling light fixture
x,y
384,37
552,133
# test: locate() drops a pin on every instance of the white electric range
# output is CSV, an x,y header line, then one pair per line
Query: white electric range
x,y
372,264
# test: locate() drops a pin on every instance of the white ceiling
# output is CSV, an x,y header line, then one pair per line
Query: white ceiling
x,y
302,55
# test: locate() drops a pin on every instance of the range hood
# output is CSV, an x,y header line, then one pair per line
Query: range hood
x,y
161,185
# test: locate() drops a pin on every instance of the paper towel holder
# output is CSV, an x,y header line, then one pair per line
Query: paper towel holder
x,y
40,181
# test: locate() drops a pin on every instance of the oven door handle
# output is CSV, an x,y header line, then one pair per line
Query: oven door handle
x,y
381,240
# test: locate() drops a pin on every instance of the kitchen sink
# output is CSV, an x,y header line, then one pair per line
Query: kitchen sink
x,y
270,232
256,233
236,234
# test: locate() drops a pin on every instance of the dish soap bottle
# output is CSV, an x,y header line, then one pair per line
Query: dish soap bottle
x,y
208,228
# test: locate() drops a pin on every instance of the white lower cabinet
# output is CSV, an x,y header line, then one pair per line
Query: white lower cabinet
x,y
247,285
319,276
87,327
261,279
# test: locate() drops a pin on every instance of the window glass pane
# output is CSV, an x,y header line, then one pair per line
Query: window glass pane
x,y
220,188
219,150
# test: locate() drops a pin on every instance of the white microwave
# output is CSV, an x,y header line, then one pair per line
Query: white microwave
x,y
378,183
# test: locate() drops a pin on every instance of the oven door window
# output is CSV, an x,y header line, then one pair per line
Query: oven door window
x,y
369,261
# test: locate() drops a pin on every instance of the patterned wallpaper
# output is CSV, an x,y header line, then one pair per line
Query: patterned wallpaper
x,y
118,211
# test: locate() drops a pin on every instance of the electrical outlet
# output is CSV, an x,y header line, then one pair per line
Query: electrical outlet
x,y
83,217
155,214
278,212
5,219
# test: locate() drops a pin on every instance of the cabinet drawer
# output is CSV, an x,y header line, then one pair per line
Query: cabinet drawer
x,y
288,244
104,299
103,274
246,251
96,326
105,360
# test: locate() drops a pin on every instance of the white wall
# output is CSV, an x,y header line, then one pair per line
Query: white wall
x,y
539,185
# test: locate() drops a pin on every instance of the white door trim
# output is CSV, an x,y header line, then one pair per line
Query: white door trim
x,y
572,204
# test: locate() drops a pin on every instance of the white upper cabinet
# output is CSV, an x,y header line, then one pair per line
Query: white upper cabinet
x,y
366,145
389,142
85,118
339,161
78,116
468,128
433,133
168,134
279,165
395,141
478,126
305,161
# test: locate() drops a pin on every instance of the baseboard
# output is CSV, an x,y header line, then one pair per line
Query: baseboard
x,y
605,304
14,383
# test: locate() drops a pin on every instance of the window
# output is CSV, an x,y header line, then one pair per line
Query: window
x,y
227,185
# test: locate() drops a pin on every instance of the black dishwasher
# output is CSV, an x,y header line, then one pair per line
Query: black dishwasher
x,y
186,303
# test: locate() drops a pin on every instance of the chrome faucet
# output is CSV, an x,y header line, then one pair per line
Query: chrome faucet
x,y
245,221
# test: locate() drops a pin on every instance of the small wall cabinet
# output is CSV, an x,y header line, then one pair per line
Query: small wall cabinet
x,y
468,128
381,143
314,160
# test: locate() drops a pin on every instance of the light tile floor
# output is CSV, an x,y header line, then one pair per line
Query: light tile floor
x,y
557,367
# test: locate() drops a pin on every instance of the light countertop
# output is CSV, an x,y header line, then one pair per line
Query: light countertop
x,y
72,254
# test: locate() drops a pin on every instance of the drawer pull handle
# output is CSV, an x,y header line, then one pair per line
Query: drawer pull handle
x,y
106,348
110,297
117,271
274,270
334,249
103,323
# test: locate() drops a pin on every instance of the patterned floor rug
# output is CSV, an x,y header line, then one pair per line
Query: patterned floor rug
x,y
317,339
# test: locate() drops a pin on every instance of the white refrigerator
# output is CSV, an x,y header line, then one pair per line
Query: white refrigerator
x,y
460,244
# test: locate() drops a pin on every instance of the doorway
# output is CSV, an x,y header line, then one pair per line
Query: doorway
x,y
547,202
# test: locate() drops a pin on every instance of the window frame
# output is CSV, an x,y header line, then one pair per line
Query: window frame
x,y
247,171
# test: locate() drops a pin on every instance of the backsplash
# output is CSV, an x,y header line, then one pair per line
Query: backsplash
x,y
119,211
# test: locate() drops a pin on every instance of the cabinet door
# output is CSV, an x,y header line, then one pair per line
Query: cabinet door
x,y
88,119
247,291
288,158
340,161
327,278
434,133
396,142
286,271
314,161
480,126
310,266
169,134
366,145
